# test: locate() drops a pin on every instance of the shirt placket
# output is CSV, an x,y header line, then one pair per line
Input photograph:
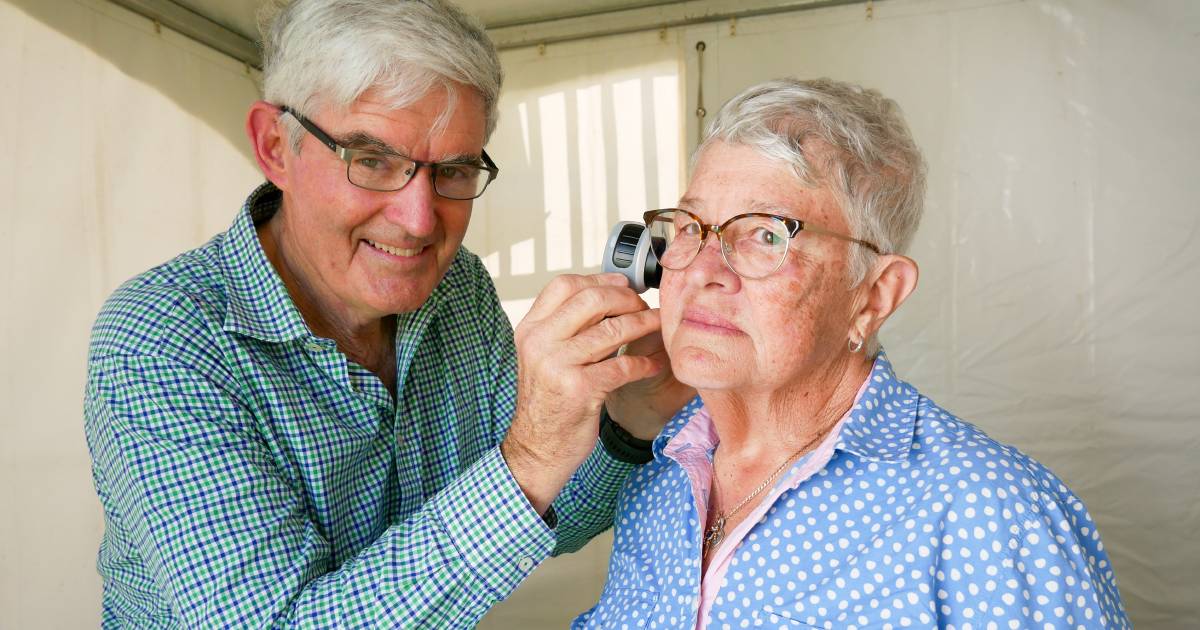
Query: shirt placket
x,y
410,459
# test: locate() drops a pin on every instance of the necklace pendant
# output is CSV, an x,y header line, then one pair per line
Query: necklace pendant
x,y
715,534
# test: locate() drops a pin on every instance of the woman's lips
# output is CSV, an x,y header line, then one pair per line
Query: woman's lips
x,y
709,321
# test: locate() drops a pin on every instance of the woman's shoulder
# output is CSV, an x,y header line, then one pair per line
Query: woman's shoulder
x,y
971,466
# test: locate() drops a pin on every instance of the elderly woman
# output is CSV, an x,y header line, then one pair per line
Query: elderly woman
x,y
807,485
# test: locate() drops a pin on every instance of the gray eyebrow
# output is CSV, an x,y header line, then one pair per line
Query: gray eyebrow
x,y
691,204
364,140
462,158
771,208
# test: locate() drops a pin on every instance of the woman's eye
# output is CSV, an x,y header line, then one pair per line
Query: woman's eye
x,y
690,229
763,236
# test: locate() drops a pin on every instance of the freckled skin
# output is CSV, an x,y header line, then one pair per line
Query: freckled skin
x,y
774,371
790,325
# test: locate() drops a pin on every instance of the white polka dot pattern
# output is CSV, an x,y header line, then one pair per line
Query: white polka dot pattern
x,y
919,520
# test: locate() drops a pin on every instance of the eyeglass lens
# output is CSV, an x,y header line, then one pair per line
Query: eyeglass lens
x,y
753,246
385,172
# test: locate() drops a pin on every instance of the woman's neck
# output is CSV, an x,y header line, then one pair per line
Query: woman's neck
x,y
755,426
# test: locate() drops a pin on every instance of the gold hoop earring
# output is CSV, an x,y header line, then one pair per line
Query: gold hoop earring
x,y
853,346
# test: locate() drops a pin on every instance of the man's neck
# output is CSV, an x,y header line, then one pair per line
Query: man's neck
x,y
369,342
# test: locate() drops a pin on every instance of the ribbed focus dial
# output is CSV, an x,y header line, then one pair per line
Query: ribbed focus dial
x,y
626,246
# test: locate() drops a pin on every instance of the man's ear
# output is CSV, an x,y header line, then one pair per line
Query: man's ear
x,y
890,283
269,141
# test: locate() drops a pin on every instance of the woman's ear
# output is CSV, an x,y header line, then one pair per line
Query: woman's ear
x,y
268,140
890,283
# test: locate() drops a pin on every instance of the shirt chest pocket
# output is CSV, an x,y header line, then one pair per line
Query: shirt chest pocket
x,y
874,618
778,620
623,608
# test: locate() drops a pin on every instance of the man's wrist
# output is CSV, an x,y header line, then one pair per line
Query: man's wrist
x,y
622,445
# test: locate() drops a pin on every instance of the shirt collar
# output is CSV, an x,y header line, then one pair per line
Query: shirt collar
x,y
881,423
259,304
878,427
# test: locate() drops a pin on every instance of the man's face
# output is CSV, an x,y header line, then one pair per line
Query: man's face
x,y
370,254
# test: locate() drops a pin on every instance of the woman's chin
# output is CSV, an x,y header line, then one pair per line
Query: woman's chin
x,y
703,369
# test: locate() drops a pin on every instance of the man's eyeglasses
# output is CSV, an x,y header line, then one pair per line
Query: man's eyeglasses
x,y
385,171
753,245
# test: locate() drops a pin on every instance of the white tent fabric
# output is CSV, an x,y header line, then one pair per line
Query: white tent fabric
x,y
1055,308
122,148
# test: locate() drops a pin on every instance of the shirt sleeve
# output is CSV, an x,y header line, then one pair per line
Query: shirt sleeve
x,y
585,506
1042,567
225,536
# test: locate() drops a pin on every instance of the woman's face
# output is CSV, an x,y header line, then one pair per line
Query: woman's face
x,y
725,332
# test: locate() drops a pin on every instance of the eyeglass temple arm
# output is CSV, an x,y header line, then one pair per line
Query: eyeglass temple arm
x,y
816,230
487,161
313,129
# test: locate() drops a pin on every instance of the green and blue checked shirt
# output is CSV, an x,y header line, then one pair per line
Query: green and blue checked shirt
x,y
252,476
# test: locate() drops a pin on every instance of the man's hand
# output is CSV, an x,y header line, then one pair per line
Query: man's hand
x,y
643,407
565,369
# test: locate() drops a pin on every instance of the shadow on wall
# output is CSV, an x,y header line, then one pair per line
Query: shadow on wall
x,y
575,160
582,143
134,53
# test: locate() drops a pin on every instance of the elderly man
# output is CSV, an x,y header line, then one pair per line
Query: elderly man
x,y
306,421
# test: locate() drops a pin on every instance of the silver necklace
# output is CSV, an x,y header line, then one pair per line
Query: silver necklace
x,y
716,532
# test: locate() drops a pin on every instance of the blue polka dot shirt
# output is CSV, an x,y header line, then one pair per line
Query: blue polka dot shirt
x,y
918,520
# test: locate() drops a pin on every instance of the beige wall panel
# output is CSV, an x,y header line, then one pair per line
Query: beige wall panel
x,y
122,149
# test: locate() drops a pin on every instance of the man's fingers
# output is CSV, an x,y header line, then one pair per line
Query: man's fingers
x,y
610,374
589,307
563,287
606,336
648,345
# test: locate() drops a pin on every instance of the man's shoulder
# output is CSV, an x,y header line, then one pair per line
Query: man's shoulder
x,y
180,301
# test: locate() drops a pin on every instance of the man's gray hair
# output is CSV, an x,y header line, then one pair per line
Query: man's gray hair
x,y
852,140
327,53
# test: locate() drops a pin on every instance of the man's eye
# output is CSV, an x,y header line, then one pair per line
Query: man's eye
x,y
449,171
372,162
690,229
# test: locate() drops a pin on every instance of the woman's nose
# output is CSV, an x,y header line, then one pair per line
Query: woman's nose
x,y
708,268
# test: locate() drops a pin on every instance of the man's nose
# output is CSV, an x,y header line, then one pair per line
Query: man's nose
x,y
413,207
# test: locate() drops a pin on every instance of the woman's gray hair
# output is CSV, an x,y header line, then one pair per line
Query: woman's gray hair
x,y
852,140
327,53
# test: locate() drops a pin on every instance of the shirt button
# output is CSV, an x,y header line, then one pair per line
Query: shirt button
x,y
525,564
313,346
